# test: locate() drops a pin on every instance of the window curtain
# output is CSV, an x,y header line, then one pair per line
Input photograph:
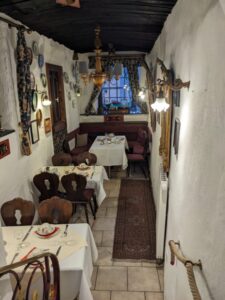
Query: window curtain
x,y
132,64
24,89
94,95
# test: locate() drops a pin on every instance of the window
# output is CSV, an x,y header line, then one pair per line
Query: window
x,y
116,95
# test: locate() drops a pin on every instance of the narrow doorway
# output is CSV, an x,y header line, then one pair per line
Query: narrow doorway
x,y
58,110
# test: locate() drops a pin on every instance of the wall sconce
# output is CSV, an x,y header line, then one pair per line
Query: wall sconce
x,y
163,102
44,99
160,103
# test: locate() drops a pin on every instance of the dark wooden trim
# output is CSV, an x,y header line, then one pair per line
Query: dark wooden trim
x,y
60,125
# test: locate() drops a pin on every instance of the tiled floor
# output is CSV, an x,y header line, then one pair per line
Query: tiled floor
x,y
120,280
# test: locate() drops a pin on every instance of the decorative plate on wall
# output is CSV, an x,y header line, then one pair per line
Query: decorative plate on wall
x,y
43,80
34,100
32,81
35,48
66,77
30,55
39,117
41,60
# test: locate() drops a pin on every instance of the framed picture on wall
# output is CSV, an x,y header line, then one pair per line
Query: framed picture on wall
x,y
176,136
34,131
4,148
48,125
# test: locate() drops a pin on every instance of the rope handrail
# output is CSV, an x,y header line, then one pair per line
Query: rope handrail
x,y
189,264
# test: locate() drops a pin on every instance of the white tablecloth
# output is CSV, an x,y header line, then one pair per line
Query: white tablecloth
x,y
75,270
95,181
112,153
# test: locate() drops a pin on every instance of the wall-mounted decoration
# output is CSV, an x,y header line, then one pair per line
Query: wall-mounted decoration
x,y
176,98
73,103
168,85
35,48
4,148
24,89
34,100
29,55
71,85
32,81
41,60
47,125
39,117
66,77
34,131
176,136
43,80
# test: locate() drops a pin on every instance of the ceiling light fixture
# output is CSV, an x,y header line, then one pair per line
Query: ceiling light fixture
x,y
99,75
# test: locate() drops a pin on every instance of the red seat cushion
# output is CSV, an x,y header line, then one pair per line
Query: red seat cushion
x,y
135,157
131,144
138,149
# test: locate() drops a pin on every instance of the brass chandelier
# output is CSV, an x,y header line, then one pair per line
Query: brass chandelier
x,y
99,75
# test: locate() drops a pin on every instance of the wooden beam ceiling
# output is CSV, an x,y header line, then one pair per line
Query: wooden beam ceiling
x,y
129,24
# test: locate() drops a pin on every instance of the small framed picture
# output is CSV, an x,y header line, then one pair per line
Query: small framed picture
x,y
4,148
176,136
48,125
34,131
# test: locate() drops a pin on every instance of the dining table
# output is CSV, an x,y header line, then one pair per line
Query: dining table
x,y
110,150
76,252
95,176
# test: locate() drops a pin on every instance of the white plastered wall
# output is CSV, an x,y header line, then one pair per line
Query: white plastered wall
x,y
193,43
16,171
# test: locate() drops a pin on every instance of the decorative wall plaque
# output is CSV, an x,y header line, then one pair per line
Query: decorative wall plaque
x,y
4,148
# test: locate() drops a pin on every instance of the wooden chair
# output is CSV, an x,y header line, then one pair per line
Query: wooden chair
x,y
142,136
61,159
139,155
26,208
74,186
55,210
88,158
47,184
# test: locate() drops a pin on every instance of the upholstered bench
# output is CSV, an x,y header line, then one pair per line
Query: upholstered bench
x,y
76,142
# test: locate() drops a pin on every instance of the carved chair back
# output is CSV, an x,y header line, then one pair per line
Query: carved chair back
x,y
74,185
55,210
26,208
47,184
86,157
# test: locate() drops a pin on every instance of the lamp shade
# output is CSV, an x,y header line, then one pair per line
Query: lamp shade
x,y
83,67
45,100
160,104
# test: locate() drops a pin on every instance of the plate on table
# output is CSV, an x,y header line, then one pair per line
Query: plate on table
x,y
46,231
111,135
83,167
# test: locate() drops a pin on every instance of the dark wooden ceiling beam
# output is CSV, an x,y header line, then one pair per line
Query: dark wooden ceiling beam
x,y
128,24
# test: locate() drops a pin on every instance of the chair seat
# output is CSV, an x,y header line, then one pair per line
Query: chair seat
x,y
131,144
135,157
88,193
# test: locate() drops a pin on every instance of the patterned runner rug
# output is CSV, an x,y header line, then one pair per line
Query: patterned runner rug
x,y
135,235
